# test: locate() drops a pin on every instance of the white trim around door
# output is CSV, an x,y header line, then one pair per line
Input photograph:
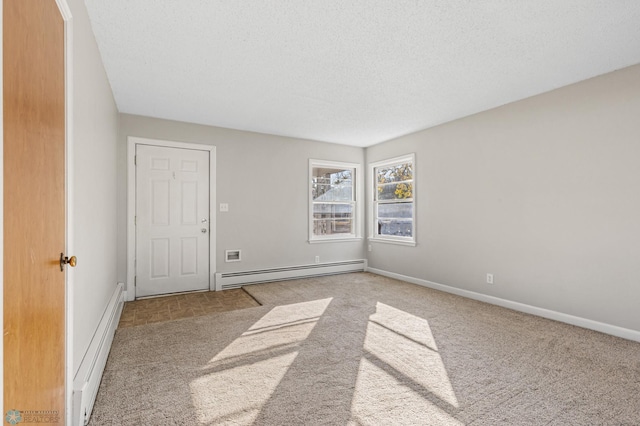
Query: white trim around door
x,y
65,11
132,141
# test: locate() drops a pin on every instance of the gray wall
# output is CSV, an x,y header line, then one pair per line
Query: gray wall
x,y
543,193
94,184
263,178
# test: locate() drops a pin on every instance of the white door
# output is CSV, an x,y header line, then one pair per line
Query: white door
x,y
172,220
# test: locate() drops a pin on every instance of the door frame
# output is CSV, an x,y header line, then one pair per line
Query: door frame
x,y
65,12
132,141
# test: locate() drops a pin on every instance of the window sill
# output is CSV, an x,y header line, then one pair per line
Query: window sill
x,y
392,241
334,240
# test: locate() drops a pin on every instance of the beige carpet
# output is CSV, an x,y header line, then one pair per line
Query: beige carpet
x,y
360,349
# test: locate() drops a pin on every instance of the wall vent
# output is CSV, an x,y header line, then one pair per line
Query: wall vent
x,y
232,255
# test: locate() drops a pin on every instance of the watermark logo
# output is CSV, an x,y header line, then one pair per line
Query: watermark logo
x,y
13,417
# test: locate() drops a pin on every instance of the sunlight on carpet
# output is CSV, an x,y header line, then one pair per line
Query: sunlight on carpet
x,y
253,365
401,345
364,350
414,355
401,373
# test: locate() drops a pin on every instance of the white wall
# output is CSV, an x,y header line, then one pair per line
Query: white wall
x,y
263,178
543,193
94,184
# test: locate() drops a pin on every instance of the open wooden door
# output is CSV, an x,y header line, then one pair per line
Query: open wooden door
x,y
34,212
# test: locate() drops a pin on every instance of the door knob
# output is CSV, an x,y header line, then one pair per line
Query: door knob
x,y
64,260
203,230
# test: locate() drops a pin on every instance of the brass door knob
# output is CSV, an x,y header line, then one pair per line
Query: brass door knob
x,y
64,260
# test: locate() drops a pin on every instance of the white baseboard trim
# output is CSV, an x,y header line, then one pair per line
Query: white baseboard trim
x,y
613,330
89,375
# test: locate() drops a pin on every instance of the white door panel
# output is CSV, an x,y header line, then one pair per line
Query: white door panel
x,y
172,220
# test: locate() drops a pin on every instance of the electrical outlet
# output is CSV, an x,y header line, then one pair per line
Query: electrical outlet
x,y
489,278
224,207
317,259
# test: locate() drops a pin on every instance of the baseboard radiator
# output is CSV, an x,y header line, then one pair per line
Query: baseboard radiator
x,y
228,280
87,380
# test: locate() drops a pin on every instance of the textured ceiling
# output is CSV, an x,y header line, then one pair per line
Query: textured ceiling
x,y
353,72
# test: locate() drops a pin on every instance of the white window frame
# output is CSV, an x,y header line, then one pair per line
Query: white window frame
x,y
373,207
357,191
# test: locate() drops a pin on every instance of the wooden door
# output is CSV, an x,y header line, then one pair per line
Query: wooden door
x,y
34,212
172,220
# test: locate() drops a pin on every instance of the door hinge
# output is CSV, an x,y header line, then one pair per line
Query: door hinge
x,y
135,220
135,160
135,281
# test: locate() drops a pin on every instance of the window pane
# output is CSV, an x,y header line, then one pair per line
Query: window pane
x,y
395,191
392,210
332,219
397,227
332,226
332,210
394,173
331,184
395,219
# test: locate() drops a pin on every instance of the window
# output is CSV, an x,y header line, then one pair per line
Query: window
x,y
333,209
394,200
